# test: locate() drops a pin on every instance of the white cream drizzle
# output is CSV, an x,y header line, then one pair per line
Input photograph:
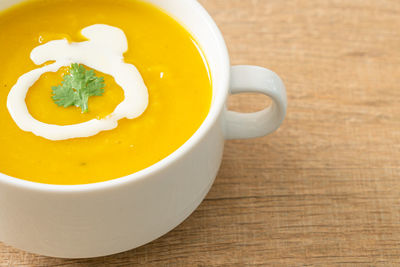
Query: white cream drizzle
x,y
103,52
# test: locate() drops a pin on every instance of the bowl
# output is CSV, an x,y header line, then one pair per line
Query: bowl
x,y
77,221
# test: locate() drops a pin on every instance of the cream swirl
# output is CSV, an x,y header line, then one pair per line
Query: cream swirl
x,y
103,52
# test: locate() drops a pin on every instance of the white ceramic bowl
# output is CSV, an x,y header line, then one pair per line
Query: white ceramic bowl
x,y
114,216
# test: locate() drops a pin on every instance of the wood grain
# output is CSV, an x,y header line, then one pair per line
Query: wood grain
x,y
325,189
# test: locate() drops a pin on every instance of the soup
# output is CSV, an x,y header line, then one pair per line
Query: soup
x,y
166,56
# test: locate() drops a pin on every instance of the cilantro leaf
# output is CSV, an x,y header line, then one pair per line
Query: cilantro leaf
x,y
77,87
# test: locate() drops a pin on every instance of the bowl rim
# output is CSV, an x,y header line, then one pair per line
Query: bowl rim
x,y
217,106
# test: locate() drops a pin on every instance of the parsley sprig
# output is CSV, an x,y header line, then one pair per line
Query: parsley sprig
x,y
77,87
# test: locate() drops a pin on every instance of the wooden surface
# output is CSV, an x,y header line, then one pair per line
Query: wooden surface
x,y
325,189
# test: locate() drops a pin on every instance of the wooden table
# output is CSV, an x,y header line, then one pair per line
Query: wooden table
x,y
323,190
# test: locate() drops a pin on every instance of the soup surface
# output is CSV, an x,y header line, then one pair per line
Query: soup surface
x,y
167,57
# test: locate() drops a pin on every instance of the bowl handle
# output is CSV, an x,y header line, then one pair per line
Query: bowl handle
x,y
253,79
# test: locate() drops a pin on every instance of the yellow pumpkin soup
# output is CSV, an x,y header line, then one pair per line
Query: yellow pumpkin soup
x,y
165,56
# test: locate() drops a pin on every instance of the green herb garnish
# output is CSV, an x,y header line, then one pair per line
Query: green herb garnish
x,y
77,87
